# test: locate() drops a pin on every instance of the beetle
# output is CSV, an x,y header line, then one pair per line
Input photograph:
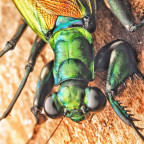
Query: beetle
x,y
96,60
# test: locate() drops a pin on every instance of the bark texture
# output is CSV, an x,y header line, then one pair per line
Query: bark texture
x,y
19,126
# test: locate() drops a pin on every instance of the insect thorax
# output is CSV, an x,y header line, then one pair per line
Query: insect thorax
x,y
74,55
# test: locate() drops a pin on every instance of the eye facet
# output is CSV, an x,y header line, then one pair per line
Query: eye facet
x,y
95,100
50,108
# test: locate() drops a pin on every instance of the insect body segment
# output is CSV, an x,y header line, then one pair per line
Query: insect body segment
x,y
74,52
66,25
121,9
74,98
41,15
122,65
12,43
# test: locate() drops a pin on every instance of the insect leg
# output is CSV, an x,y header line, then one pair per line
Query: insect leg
x,y
36,48
121,59
44,87
102,59
122,10
10,45
90,19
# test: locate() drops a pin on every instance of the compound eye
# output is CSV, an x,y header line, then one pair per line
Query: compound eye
x,y
95,100
50,108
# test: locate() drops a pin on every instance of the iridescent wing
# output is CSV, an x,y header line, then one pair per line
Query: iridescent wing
x,y
41,15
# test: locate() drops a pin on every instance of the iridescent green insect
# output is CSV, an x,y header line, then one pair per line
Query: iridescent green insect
x,y
67,25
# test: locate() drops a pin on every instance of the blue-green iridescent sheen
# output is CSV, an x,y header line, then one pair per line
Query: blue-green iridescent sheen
x,y
118,69
66,22
70,97
74,55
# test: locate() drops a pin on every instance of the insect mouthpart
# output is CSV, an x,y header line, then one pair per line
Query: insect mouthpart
x,y
76,115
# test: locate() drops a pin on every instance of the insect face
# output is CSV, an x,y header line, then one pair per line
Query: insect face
x,y
109,128
75,101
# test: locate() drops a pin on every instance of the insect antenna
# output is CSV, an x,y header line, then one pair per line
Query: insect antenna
x,y
55,129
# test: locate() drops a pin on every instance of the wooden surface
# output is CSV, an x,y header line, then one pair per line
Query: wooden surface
x,y
19,126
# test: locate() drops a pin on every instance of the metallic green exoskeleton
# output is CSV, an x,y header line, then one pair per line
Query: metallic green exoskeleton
x,y
67,25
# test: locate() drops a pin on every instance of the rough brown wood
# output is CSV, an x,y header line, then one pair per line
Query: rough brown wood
x,y
19,126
